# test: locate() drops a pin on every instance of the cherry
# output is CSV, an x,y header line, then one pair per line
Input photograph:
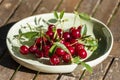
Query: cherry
x,y
46,50
73,41
33,48
60,32
72,28
66,36
38,41
54,60
62,41
50,34
75,33
66,58
67,44
82,53
24,50
78,47
39,53
71,49
50,27
60,52
79,28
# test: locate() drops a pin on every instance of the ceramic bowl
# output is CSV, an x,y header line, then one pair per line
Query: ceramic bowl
x,y
95,28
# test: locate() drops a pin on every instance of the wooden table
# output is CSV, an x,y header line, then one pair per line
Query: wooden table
x,y
108,11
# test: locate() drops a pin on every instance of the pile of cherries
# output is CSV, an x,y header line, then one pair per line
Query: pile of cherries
x,y
69,38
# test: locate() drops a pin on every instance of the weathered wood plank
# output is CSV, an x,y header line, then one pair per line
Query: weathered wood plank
x,y
98,71
69,6
1,1
115,28
43,76
7,8
7,67
67,78
87,6
25,9
24,74
105,10
47,6
114,71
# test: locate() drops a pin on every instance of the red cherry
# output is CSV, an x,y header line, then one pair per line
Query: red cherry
x,y
67,44
50,34
24,50
72,28
38,41
60,32
73,41
50,27
62,41
46,50
66,36
33,48
78,47
54,60
79,28
71,49
60,52
66,58
39,53
82,53
75,33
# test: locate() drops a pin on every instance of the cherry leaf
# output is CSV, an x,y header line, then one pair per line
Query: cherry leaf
x,y
55,14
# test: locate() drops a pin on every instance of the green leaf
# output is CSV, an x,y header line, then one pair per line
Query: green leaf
x,y
76,60
88,67
52,20
20,32
55,14
84,16
61,14
45,22
84,30
58,44
29,35
35,21
52,50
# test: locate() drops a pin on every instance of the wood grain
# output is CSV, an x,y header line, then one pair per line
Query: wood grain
x,y
47,6
114,71
67,78
98,71
24,74
7,8
25,9
43,76
7,67
105,10
87,6
69,6
115,28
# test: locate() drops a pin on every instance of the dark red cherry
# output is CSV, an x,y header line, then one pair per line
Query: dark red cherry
x,y
75,33
33,48
79,28
66,58
73,41
78,47
60,32
67,44
50,27
71,49
60,52
46,50
82,53
24,50
54,60
66,36
50,34
39,53
72,28
38,41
